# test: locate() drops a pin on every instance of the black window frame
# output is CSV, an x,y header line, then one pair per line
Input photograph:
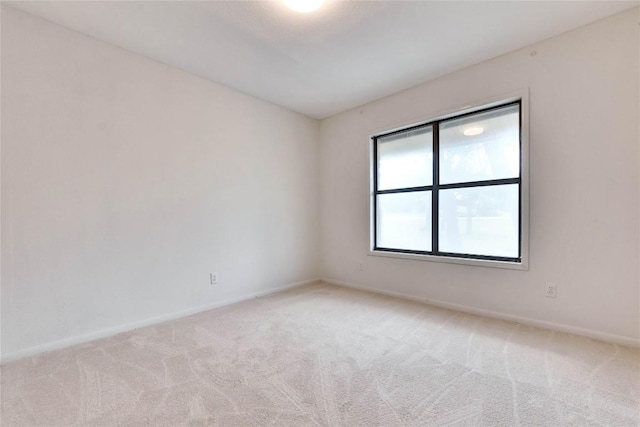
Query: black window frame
x,y
436,187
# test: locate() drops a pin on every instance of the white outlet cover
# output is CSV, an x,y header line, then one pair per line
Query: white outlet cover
x,y
552,291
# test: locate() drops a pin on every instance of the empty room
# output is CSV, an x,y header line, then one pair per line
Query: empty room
x,y
320,213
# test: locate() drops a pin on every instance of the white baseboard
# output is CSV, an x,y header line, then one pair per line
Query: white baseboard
x,y
92,336
602,336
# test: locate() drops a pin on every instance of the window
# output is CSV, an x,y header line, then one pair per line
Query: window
x,y
452,188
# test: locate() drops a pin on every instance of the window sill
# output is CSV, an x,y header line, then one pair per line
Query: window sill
x,y
451,260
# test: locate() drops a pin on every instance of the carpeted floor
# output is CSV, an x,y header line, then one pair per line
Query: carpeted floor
x,y
327,356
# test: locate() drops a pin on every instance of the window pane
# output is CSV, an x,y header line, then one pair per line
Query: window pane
x,y
404,221
481,146
479,220
406,159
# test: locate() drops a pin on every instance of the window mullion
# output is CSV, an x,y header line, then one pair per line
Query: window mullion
x,y
434,192
405,190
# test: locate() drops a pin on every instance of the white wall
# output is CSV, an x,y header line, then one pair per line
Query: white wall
x,y
125,182
584,226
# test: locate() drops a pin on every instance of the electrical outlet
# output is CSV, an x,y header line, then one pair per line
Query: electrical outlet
x,y
213,278
551,292
361,266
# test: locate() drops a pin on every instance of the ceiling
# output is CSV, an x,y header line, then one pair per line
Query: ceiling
x,y
346,54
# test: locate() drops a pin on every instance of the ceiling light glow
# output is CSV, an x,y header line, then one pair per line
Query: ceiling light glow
x,y
473,131
303,6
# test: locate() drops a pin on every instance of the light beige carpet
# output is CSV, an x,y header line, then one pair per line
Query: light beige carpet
x,y
326,356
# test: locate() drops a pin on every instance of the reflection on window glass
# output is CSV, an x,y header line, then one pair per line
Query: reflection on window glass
x,y
404,221
406,159
481,147
479,221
